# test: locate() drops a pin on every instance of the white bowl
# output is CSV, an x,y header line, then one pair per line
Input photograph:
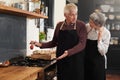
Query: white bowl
x,y
111,16
118,17
105,8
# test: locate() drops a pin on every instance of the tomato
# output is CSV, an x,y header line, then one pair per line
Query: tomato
x,y
7,62
31,46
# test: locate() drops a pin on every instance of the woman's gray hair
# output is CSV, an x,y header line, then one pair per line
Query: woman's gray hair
x,y
70,7
98,18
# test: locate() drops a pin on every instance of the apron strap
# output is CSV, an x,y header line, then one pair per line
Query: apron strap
x,y
64,23
75,26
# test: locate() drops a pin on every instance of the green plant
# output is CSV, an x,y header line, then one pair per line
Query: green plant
x,y
42,36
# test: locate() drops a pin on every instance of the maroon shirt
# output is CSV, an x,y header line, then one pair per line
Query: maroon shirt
x,y
82,34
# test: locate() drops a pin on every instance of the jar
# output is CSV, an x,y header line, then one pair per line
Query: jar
x,y
115,40
117,27
113,27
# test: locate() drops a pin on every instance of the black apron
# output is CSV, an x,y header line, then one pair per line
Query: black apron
x,y
69,68
94,62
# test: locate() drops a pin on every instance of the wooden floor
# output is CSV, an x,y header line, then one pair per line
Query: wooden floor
x,y
113,77
108,77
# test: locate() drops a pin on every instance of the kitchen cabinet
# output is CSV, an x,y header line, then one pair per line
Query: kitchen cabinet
x,y
19,12
21,73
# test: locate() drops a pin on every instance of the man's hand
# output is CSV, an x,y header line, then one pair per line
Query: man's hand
x,y
63,55
36,43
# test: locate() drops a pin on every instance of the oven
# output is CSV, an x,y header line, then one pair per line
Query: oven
x,y
49,66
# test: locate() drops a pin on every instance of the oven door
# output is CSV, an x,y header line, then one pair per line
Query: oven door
x,y
50,72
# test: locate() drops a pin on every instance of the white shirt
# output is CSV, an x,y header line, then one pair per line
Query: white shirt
x,y
104,43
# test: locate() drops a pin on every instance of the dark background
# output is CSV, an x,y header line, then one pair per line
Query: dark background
x,y
49,23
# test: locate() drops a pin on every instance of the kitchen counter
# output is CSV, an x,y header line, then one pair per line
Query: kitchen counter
x,y
21,73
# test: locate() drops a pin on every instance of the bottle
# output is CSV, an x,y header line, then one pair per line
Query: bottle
x,y
113,27
46,11
37,6
42,8
31,7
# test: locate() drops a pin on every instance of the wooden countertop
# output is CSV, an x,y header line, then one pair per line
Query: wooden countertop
x,y
19,73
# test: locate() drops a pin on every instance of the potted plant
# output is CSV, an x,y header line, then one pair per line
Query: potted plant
x,y
42,36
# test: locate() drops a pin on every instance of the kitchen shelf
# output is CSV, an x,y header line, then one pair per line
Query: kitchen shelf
x,y
19,12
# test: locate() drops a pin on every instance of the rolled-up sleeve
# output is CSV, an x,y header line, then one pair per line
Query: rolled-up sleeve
x,y
104,44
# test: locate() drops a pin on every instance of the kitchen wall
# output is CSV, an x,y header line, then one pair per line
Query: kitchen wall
x,y
59,8
58,16
32,34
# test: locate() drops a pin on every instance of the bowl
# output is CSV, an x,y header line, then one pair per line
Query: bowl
x,y
118,17
111,16
105,8
5,63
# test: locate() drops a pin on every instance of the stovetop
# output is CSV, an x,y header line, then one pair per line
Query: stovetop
x,y
27,61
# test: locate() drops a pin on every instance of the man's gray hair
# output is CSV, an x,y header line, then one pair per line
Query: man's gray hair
x,y
98,18
70,7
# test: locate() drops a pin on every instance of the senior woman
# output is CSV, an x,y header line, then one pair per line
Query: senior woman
x,y
70,38
98,38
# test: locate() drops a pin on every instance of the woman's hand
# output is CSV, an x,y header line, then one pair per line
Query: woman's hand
x,y
100,33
